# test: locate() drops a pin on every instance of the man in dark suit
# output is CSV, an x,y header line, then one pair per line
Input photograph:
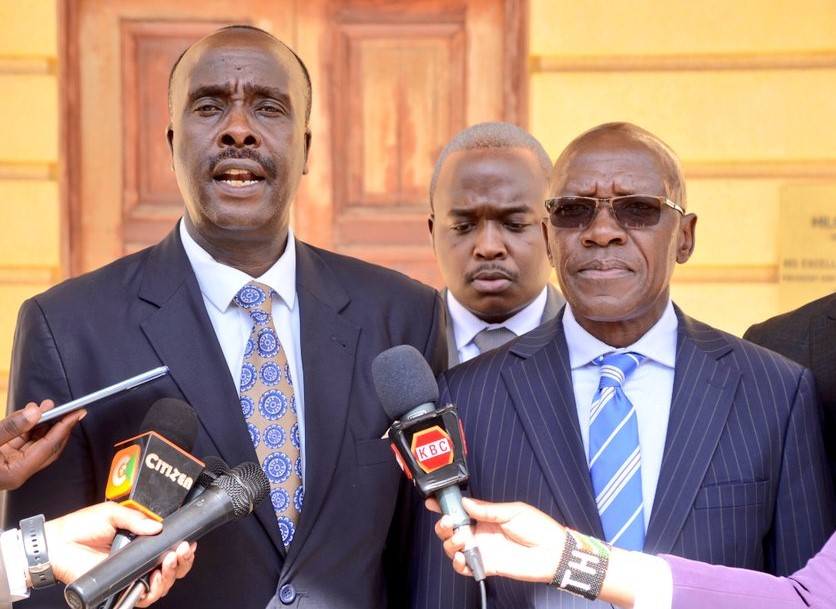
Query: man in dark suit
x,y
807,335
725,462
239,104
486,196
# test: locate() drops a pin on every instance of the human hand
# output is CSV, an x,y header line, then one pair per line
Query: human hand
x,y
515,539
79,541
24,451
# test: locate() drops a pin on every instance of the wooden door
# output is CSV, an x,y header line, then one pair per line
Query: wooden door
x,y
392,82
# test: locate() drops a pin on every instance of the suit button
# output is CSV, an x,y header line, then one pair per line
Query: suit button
x,y
287,594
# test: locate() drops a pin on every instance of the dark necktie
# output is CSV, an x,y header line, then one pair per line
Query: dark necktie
x,y
491,338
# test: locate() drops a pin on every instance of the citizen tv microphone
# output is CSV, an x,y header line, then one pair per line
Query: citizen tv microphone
x,y
428,443
153,471
232,496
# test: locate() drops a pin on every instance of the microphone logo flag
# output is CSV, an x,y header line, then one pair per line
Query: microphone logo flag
x,y
432,448
123,471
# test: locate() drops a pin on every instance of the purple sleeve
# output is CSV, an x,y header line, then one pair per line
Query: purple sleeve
x,y
698,585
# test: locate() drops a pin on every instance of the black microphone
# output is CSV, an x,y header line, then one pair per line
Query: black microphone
x,y
428,442
153,471
212,468
166,437
231,496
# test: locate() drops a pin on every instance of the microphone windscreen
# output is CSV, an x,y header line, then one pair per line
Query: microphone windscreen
x,y
403,380
174,420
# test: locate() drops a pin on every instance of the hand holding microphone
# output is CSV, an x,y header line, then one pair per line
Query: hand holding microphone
x,y
428,442
229,497
80,540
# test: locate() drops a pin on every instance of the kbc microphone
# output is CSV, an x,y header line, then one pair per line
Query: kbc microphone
x,y
428,443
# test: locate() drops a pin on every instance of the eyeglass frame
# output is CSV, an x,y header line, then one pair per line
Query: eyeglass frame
x,y
607,201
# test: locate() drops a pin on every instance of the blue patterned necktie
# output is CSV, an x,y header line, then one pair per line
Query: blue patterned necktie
x,y
614,454
269,407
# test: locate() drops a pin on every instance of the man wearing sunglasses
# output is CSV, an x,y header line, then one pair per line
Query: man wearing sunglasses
x,y
625,418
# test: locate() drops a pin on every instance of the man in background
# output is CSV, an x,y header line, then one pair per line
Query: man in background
x,y
623,417
807,335
486,206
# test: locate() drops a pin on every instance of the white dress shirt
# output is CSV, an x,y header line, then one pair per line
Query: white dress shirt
x,y
219,283
466,325
649,388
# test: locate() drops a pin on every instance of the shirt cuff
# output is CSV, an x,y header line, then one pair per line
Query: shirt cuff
x,y
654,582
14,558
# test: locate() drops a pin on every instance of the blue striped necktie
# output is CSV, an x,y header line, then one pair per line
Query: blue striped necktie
x,y
614,454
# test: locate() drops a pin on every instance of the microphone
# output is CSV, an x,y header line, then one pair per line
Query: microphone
x,y
232,496
153,471
428,443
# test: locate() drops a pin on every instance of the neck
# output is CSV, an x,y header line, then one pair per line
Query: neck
x,y
243,251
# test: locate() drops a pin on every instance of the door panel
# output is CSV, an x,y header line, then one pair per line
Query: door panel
x,y
392,82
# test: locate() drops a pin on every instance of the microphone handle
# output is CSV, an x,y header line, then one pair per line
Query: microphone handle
x,y
211,509
450,500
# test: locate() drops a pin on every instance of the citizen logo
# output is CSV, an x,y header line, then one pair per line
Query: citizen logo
x,y
153,461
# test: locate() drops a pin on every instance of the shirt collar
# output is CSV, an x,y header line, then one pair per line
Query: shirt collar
x,y
219,283
658,343
466,325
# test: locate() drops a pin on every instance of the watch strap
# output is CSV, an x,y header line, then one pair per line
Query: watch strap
x,y
37,556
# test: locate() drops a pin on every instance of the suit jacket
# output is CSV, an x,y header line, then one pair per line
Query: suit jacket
x,y
742,480
145,310
698,585
554,302
808,336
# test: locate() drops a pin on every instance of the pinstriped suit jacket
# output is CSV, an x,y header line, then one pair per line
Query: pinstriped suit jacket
x,y
743,479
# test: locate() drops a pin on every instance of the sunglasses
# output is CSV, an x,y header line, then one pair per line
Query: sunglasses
x,y
630,211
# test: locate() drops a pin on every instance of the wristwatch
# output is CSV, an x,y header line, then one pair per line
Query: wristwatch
x,y
32,533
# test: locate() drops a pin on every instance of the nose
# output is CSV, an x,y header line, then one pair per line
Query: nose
x,y
604,229
490,244
237,130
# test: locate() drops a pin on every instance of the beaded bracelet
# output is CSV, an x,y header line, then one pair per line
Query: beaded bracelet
x,y
582,566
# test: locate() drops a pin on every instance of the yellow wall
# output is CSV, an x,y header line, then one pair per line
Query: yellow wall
x,y
30,231
742,90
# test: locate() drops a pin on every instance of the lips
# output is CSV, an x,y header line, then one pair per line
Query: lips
x,y
491,280
238,173
603,269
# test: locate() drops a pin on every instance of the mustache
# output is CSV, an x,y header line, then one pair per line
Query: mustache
x,y
494,269
266,162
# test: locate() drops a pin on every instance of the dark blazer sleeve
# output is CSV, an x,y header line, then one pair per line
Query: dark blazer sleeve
x,y
37,373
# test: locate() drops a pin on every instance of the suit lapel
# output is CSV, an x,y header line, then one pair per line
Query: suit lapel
x,y
329,344
452,352
178,330
703,393
540,388
554,301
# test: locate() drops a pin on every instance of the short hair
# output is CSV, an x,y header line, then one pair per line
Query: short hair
x,y
308,91
484,136
673,176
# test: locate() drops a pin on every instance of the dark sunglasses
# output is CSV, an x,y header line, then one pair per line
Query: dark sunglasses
x,y
630,211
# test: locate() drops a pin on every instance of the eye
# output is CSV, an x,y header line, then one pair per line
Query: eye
x,y
204,107
517,227
462,227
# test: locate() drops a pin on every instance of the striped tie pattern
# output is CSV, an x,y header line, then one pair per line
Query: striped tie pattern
x,y
614,454
269,407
